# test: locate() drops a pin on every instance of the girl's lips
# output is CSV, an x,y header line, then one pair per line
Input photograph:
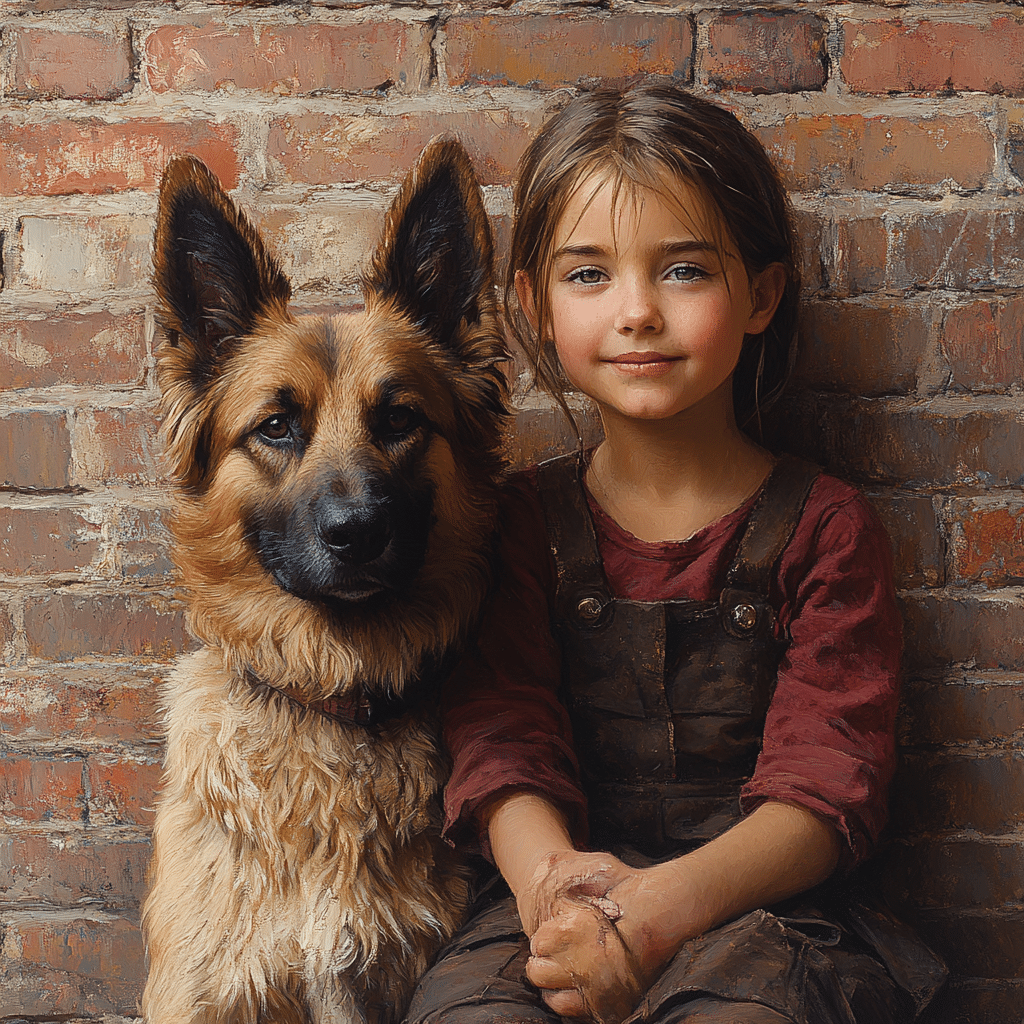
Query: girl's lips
x,y
643,357
644,364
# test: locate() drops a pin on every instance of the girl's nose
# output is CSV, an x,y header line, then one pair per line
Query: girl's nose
x,y
639,311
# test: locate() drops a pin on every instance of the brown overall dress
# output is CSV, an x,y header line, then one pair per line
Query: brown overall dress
x,y
668,703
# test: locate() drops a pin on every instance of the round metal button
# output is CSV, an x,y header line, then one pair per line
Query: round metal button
x,y
589,609
744,616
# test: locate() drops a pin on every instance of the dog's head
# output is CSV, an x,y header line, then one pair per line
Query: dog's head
x,y
336,473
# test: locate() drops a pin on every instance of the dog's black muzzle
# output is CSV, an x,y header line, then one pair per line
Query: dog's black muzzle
x,y
340,547
354,532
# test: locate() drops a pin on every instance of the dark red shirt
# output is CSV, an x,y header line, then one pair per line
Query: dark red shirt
x,y
828,743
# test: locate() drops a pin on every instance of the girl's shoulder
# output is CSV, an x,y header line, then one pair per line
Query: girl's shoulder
x,y
839,546
835,505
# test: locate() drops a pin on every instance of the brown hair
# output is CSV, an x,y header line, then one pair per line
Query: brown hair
x,y
647,138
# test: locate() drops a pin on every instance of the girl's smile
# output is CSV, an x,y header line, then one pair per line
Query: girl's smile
x,y
644,364
647,315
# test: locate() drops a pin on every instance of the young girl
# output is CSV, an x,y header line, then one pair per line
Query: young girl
x,y
710,630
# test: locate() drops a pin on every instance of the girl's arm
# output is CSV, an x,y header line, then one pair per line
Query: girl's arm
x,y
777,851
533,850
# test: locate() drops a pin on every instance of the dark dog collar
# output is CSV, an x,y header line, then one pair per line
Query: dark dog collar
x,y
360,708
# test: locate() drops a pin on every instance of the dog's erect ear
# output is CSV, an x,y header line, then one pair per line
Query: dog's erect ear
x,y
435,259
213,275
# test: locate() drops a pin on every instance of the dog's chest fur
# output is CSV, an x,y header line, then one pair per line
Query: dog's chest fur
x,y
306,823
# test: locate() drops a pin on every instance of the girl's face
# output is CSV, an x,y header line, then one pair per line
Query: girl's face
x,y
648,319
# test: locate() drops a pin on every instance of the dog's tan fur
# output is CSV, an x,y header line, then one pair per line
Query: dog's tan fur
x,y
298,874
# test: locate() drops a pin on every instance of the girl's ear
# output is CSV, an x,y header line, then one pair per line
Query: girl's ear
x,y
766,290
524,292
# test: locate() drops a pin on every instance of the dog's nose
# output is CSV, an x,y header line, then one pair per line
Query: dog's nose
x,y
355,534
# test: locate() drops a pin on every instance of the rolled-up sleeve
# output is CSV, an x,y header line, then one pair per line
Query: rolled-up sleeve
x,y
829,736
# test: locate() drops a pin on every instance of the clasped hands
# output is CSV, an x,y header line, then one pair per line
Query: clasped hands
x,y
593,954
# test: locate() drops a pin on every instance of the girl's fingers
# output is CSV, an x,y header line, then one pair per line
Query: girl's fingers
x,y
546,973
566,1002
574,925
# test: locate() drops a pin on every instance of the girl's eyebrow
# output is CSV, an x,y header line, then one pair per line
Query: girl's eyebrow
x,y
686,246
580,250
669,247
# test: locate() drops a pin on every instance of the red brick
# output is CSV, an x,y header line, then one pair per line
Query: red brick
x,y
940,791
77,963
905,442
942,248
957,873
554,51
118,445
46,540
764,52
92,156
63,626
53,63
918,545
813,237
861,253
90,707
123,793
1014,149
983,631
289,59
59,347
81,254
35,449
66,869
1007,269
844,244
891,55
46,994
323,248
852,151
7,633
986,708
870,346
41,789
987,541
315,148
982,343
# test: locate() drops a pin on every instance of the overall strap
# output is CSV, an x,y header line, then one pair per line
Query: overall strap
x,y
771,525
571,535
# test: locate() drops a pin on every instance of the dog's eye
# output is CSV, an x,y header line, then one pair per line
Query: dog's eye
x,y
399,420
275,428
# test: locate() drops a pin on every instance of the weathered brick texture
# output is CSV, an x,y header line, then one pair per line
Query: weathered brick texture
x,y
899,129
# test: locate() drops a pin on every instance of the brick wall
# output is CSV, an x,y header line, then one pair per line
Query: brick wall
x,y
900,133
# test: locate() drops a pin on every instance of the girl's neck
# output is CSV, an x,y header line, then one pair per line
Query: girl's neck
x,y
667,479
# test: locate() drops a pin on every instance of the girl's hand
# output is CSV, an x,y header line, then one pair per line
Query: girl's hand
x,y
659,909
582,966
584,876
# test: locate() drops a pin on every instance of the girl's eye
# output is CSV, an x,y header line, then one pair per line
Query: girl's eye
x,y
586,275
275,428
685,272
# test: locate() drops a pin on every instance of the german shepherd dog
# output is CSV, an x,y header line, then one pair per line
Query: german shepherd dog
x,y
336,500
